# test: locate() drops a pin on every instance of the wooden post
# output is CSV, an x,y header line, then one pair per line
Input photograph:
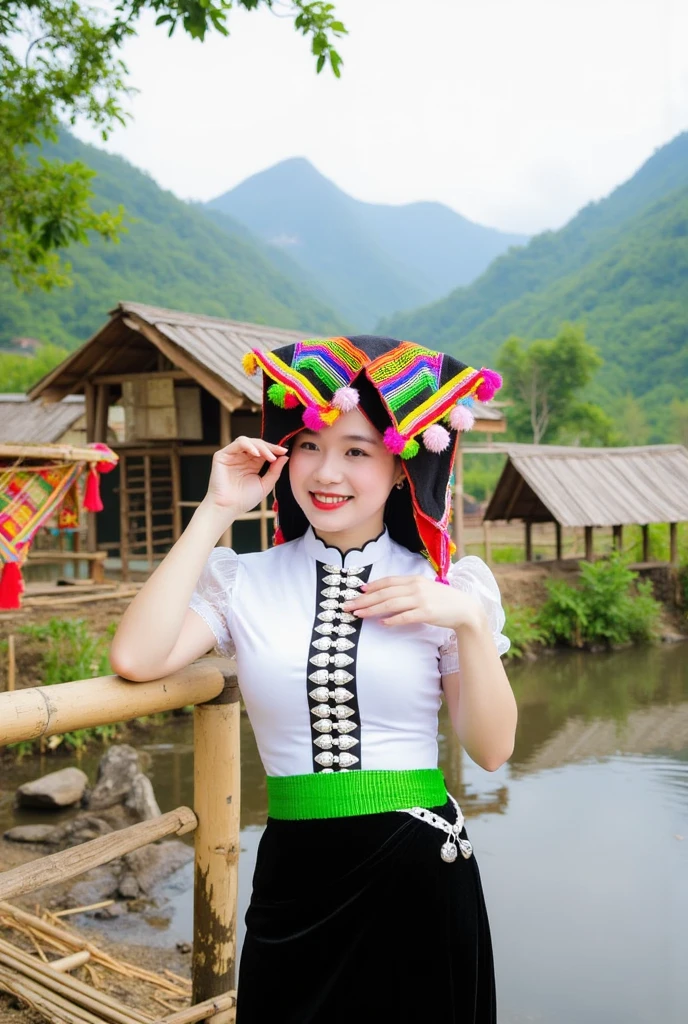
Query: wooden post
x,y
11,664
673,544
123,516
617,542
102,404
217,806
148,509
646,542
529,540
557,528
589,544
488,541
458,500
176,493
90,396
225,439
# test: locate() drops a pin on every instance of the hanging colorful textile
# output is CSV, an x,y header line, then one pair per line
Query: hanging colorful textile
x,y
34,485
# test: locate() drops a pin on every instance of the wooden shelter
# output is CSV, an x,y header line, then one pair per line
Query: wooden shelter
x,y
593,487
179,378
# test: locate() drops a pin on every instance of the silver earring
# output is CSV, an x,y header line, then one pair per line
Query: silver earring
x,y
399,485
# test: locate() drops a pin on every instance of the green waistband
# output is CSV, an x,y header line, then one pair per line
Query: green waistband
x,y
344,794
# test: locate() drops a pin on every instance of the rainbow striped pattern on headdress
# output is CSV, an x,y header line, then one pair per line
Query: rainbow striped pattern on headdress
x,y
407,379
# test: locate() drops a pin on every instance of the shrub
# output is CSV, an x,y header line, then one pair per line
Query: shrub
x,y
607,607
522,629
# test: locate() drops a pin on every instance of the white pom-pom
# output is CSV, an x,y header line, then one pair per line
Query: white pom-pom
x,y
436,438
345,399
461,418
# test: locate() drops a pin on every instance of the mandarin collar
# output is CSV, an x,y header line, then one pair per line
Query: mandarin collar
x,y
372,550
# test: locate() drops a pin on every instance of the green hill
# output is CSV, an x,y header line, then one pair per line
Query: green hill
x,y
620,267
368,259
172,255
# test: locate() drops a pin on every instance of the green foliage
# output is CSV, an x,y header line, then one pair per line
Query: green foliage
x,y
607,607
658,541
19,373
619,268
543,380
480,475
59,63
71,652
522,629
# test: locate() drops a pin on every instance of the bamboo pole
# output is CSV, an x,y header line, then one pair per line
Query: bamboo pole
x,y
557,529
673,544
217,804
51,1006
589,544
78,859
202,1011
646,542
49,710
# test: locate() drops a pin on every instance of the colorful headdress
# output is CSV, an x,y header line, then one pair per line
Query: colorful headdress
x,y
407,391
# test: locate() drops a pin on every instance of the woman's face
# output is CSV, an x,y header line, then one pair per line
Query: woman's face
x,y
341,477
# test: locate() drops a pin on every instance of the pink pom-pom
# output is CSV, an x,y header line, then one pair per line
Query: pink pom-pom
x,y
312,418
290,400
345,399
395,441
461,418
492,382
436,438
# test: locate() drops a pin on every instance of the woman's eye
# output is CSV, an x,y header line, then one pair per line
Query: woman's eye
x,y
356,452
308,446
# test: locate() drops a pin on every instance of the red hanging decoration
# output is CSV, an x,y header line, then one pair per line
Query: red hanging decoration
x,y
92,500
11,586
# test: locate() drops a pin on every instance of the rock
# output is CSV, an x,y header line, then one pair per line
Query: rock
x,y
672,638
184,947
151,864
141,798
129,888
108,913
116,773
58,789
32,834
81,829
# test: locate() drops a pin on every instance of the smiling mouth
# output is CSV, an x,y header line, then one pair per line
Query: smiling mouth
x,y
328,501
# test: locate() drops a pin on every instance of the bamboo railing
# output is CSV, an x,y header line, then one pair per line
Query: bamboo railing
x,y
211,686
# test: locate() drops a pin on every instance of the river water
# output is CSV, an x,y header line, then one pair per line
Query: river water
x,y
582,838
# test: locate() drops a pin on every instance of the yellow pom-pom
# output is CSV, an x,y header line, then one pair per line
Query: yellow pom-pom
x,y
250,364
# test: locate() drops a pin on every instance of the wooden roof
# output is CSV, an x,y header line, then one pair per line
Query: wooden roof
x,y
592,486
208,348
24,421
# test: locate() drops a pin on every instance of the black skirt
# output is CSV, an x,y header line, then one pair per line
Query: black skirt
x,y
359,919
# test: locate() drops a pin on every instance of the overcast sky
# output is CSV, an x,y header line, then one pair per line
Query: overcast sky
x,y
514,112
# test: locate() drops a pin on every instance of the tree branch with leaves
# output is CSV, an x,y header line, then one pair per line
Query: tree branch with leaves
x,y
60,62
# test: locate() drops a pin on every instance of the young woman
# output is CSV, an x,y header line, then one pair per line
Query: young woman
x,y
367,901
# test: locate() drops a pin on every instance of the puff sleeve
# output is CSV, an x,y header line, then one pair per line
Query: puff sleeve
x,y
471,575
212,598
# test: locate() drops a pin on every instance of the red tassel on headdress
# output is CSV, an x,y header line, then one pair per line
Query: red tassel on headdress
x,y
278,536
11,586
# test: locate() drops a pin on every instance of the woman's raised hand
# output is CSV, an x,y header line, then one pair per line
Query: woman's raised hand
x,y
235,485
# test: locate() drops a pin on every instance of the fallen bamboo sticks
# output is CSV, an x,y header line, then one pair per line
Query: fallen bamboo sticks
x,y
76,860
62,939
67,988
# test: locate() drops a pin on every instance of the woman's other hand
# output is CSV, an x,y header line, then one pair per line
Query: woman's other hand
x,y
402,600
235,485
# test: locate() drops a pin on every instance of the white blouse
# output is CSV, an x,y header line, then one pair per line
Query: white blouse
x,y
326,691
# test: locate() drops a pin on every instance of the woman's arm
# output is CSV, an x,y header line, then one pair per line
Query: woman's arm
x,y
480,700
158,633
479,697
